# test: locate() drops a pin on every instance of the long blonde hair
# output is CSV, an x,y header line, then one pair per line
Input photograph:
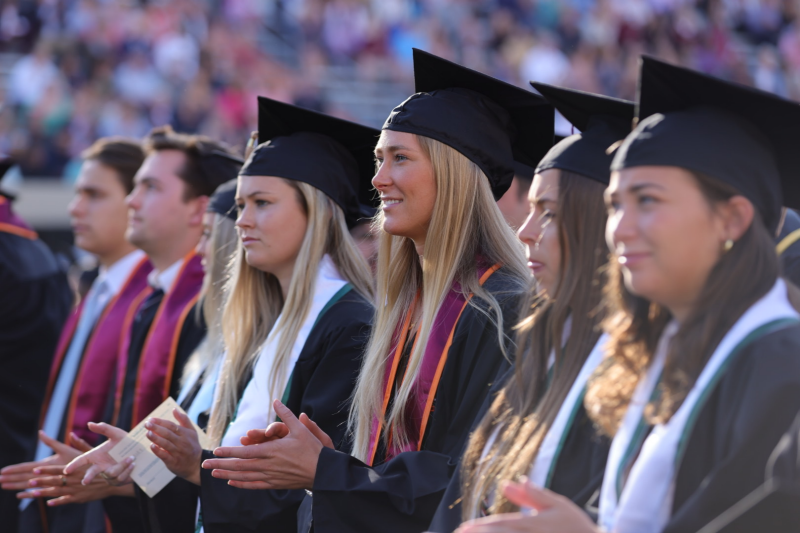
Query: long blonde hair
x,y
255,301
223,242
466,223
526,407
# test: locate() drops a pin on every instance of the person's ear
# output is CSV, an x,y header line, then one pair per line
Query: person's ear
x,y
199,206
738,214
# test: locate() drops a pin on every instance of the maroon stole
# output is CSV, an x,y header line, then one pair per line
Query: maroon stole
x,y
11,223
423,392
89,395
157,360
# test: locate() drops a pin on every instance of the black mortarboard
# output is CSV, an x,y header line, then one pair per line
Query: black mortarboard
x,y
601,120
521,170
490,122
219,166
742,136
334,155
223,201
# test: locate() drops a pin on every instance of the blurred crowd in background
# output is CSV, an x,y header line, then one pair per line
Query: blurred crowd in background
x,y
75,70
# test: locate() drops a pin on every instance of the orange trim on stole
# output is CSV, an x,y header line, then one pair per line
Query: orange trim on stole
x,y
392,374
161,307
443,359
126,326
16,230
109,306
173,352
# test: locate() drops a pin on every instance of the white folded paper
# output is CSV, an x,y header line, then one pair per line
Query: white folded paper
x,y
150,472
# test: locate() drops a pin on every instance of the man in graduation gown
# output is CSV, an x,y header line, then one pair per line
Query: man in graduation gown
x,y
86,357
35,302
166,208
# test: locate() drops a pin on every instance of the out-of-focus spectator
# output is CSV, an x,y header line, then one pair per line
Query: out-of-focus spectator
x,y
114,67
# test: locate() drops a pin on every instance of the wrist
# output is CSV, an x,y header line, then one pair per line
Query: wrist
x,y
123,490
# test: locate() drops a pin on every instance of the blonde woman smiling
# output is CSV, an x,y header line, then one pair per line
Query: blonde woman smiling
x,y
450,275
537,426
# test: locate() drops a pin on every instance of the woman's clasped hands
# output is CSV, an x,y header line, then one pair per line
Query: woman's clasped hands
x,y
283,456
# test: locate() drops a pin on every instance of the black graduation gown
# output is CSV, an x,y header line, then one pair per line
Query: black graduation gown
x,y
737,430
322,383
124,512
36,299
775,505
790,258
402,494
578,473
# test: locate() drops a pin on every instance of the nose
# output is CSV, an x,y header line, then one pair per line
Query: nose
x,y
75,206
244,220
620,228
530,233
381,179
132,200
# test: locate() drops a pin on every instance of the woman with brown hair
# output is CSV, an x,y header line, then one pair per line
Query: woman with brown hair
x,y
536,425
702,376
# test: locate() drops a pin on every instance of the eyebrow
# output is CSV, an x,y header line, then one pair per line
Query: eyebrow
x,y
250,195
147,179
639,186
393,148
88,188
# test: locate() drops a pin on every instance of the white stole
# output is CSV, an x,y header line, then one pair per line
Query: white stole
x,y
553,441
255,408
645,502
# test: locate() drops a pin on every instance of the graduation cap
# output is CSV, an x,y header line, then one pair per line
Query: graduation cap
x,y
521,170
219,167
223,201
601,120
334,155
490,122
742,136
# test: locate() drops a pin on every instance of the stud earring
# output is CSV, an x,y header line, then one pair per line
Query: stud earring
x,y
728,245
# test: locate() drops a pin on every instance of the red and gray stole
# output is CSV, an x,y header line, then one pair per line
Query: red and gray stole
x,y
420,404
98,365
157,360
11,223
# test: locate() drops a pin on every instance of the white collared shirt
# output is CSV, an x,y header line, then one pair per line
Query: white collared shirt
x,y
117,274
166,279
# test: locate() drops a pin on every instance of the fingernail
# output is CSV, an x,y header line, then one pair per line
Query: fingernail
x,y
37,470
32,483
37,493
130,459
149,425
149,434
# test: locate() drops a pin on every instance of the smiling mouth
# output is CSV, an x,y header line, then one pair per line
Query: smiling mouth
x,y
388,203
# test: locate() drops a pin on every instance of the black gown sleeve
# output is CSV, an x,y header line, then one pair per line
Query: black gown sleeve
x,y
35,300
737,430
448,515
402,494
578,474
322,382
